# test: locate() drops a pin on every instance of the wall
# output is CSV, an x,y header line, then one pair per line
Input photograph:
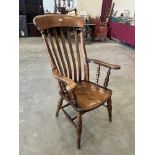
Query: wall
x,y
92,7
48,5
121,5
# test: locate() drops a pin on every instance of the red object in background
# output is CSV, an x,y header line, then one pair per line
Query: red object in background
x,y
106,5
100,31
122,32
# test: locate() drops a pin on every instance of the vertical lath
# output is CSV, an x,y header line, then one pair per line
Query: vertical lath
x,y
51,59
60,52
66,54
50,55
83,50
78,54
55,52
72,53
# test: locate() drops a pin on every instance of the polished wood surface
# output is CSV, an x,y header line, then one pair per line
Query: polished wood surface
x,y
111,66
70,66
70,83
57,20
90,96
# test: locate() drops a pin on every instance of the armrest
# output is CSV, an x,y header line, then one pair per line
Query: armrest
x,y
70,83
110,66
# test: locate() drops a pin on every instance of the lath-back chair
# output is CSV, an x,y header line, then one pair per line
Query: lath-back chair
x,y
68,64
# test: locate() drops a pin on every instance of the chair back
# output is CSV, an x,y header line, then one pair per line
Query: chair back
x,y
66,51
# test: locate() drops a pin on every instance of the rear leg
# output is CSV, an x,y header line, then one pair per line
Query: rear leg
x,y
109,107
59,106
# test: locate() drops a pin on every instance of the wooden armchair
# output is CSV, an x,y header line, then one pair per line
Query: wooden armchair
x,y
100,30
68,62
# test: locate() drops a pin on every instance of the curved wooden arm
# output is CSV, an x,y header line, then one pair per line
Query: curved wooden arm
x,y
110,66
70,83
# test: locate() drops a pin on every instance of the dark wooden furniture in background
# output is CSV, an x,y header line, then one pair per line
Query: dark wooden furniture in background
x,y
89,29
100,29
68,62
30,9
23,26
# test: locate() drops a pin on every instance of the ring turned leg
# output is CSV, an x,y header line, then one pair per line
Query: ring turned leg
x,y
109,107
79,129
59,106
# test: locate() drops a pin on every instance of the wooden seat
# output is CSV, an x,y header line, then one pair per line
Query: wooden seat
x,y
70,67
90,96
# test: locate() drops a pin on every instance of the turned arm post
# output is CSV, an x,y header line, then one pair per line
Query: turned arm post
x,y
97,74
106,81
104,64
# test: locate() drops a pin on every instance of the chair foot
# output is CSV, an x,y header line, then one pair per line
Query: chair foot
x,y
59,106
109,107
79,129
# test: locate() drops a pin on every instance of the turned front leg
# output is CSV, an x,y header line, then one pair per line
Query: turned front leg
x,y
79,129
109,107
59,106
